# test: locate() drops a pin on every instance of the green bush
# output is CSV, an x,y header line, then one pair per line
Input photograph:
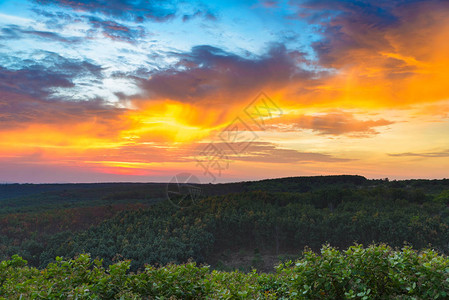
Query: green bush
x,y
375,272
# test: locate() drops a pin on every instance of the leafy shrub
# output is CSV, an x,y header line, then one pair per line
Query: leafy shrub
x,y
375,272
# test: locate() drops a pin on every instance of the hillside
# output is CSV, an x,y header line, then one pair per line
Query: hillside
x,y
237,225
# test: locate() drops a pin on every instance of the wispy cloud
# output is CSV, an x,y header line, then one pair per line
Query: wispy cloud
x,y
116,31
333,123
136,11
444,153
271,153
16,32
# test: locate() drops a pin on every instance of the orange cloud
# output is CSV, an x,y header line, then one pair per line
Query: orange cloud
x,y
391,65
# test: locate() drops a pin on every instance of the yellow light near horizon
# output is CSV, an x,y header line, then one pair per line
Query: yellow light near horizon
x,y
171,121
39,136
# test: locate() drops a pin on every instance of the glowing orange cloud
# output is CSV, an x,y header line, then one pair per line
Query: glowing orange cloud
x,y
394,67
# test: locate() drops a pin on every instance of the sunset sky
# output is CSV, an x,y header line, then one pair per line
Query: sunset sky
x,y
132,90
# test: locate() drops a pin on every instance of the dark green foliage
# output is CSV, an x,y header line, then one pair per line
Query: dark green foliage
x,y
277,216
274,222
376,272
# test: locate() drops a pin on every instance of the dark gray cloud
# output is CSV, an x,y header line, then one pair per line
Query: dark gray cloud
x,y
38,78
10,32
17,110
210,73
334,123
27,93
14,32
357,25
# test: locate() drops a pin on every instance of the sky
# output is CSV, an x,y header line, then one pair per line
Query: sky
x,y
133,90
